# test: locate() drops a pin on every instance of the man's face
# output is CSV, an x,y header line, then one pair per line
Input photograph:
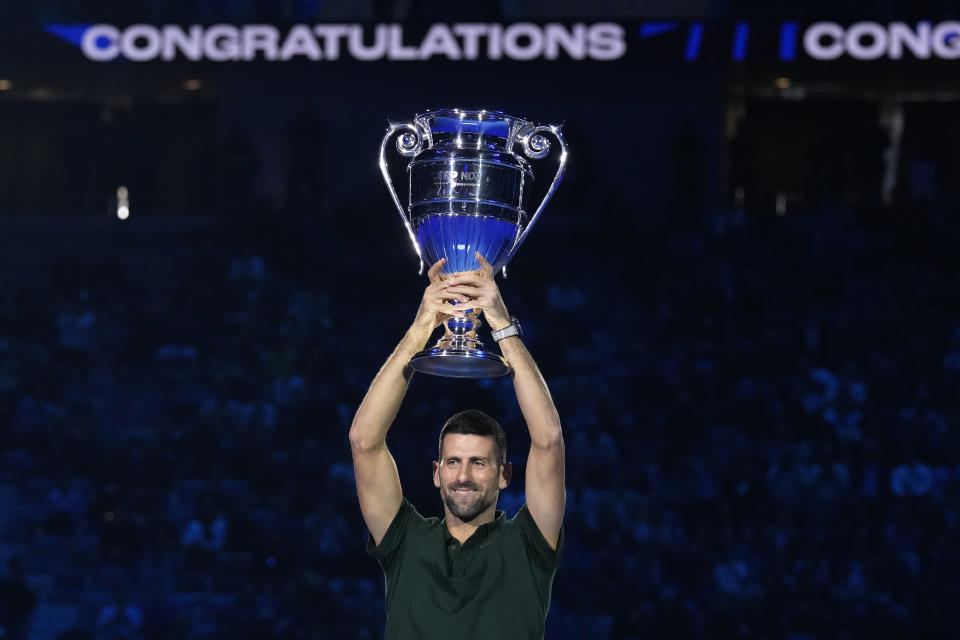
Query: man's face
x,y
468,475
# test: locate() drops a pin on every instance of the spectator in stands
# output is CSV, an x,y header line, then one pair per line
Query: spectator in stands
x,y
119,620
205,534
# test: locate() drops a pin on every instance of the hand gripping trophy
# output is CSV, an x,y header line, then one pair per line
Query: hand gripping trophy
x,y
469,183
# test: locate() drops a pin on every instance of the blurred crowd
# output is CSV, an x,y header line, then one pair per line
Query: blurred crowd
x,y
760,413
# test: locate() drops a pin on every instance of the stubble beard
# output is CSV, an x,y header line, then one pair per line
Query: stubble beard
x,y
467,510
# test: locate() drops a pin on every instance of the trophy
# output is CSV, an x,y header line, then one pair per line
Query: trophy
x,y
470,178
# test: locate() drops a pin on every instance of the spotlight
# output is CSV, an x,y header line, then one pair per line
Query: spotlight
x,y
781,204
5,85
192,84
123,203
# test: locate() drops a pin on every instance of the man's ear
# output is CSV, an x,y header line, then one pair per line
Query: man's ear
x,y
506,474
436,474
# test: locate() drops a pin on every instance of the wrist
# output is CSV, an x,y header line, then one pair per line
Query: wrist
x,y
498,320
498,324
419,333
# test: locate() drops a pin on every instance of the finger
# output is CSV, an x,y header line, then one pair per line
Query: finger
x,y
441,302
470,279
481,300
486,269
434,272
438,288
447,309
467,290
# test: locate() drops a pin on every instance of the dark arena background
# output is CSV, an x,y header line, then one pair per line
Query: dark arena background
x,y
744,298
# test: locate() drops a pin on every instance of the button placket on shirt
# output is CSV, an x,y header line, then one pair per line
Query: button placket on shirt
x,y
454,552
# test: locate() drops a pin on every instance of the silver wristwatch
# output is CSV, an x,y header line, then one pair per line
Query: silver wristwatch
x,y
512,329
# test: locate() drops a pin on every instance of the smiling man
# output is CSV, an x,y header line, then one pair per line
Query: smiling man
x,y
475,573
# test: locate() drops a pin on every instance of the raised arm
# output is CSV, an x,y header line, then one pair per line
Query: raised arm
x,y
545,479
378,483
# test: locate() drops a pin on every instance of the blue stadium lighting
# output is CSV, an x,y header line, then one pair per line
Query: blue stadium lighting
x,y
694,39
650,29
72,33
788,41
740,37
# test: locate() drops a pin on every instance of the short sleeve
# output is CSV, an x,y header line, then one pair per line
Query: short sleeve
x,y
393,538
536,544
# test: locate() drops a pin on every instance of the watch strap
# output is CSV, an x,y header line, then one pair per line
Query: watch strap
x,y
512,329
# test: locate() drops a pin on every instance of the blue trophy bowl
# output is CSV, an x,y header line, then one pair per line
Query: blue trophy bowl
x,y
457,238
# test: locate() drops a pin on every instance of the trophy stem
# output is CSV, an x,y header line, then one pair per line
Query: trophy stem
x,y
461,332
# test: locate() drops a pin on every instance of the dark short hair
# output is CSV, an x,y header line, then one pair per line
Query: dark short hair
x,y
478,423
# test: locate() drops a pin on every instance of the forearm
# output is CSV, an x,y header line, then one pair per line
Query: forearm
x,y
545,481
383,399
533,395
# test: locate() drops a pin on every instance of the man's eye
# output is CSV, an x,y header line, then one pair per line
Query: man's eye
x,y
478,463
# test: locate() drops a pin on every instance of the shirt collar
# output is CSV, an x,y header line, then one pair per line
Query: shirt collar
x,y
483,530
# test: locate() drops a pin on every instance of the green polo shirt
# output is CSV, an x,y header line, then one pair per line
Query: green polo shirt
x,y
495,585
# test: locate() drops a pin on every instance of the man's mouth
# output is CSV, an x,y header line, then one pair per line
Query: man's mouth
x,y
464,490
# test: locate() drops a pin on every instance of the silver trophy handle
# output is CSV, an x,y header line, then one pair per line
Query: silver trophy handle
x,y
536,146
408,144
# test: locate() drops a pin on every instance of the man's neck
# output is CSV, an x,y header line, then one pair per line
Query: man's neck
x,y
463,530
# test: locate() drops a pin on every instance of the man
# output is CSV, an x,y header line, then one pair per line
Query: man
x,y
474,574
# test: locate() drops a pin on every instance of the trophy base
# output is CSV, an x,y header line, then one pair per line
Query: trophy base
x,y
459,363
